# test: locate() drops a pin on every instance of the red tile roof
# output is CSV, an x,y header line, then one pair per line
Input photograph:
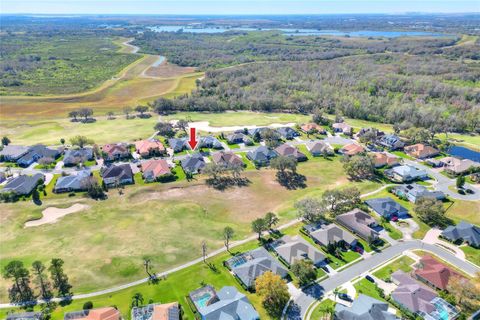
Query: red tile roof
x,y
420,150
144,147
157,167
161,311
107,313
308,127
352,149
111,148
384,159
435,272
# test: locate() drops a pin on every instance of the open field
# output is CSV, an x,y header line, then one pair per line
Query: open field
x,y
403,263
104,245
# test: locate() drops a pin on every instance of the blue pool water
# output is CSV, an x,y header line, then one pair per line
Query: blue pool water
x,y
202,301
465,153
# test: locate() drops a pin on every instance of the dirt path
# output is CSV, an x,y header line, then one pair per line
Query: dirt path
x,y
53,214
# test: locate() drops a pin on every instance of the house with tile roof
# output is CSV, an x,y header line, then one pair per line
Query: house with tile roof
x,y
342,127
360,223
149,147
364,308
312,128
434,273
384,159
249,265
227,303
73,182
421,151
287,150
457,166
373,132
107,313
115,151
116,175
463,232
153,169
227,159
388,208
292,248
157,311
325,234
351,149
23,184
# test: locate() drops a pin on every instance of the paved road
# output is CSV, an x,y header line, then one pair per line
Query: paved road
x,y
444,182
315,292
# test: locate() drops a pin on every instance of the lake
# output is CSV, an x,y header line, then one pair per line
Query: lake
x,y
303,32
465,153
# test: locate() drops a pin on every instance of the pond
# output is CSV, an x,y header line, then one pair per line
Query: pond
x,y
301,32
464,153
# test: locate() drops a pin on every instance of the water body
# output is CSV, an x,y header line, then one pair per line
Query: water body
x,y
303,32
464,153
159,61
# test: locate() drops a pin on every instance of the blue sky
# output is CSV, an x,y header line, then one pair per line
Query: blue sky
x,y
235,6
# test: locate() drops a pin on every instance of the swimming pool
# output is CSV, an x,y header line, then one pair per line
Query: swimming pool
x,y
202,301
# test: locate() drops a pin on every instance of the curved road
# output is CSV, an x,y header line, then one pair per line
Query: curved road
x,y
301,303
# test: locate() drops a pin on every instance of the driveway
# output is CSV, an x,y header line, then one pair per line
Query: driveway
x,y
338,140
432,237
407,230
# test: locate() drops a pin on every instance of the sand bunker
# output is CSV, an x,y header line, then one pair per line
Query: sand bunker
x,y
52,214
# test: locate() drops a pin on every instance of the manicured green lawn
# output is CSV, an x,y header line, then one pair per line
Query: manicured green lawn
x,y
472,254
392,232
367,288
402,154
403,263
323,309
347,257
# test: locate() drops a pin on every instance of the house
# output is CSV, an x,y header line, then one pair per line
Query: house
x,y
74,157
463,231
312,128
391,142
413,192
457,166
319,148
421,151
113,152
115,175
210,142
261,156
388,208
25,316
291,249
351,149
227,159
331,234
258,131
178,144
419,299
193,163
73,182
249,265
12,153
37,152
239,137
287,150
384,159
153,169
107,313
157,311
149,147
228,303
360,223
23,184
287,133
434,273
372,132
405,173
3,176
364,308
342,127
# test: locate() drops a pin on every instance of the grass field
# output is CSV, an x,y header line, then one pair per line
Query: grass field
x,y
403,263
367,288
472,254
323,309
105,244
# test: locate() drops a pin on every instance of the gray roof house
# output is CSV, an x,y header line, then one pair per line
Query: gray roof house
x,y
391,142
290,249
364,308
287,150
226,304
25,316
178,144
420,299
318,148
387,207
288,133
463,231
37,152
360,223
193,163
117,175
13,153
73,157
249,265
332,233
210,142
23,185
415,191
260,131
239,137
73,182
261,156
405,173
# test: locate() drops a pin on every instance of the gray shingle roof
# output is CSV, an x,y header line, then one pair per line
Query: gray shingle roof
x,y
39,151
287,132
387,207
210,142
332,233
359,222
121,171
11,152
193,163
23,184
316,147
177,144
261,154
74,182
463,231
296,248
364,308
75,156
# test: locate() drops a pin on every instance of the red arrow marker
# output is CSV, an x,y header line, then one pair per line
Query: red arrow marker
x,y
193,142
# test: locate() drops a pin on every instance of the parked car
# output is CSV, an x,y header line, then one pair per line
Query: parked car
x,y
370,279
345,297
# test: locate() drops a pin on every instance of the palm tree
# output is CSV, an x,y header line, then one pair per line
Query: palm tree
x,y
335,293
137,300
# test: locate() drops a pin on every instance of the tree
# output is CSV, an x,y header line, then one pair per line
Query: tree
x,y
147,265
94,190
258,226
20,292
110,115
45,162
318,117
430,211
310,209
282,164
81,141
85,112
274,293
213,170
88,305
359,167
165,129
304,270
127,111
272,138
228,234
73,114
5,141
60,279
182,124
271,220
35,196
204,251
338,201
141,110
465,292
62,140
163,106
137,300
460,182
41,280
